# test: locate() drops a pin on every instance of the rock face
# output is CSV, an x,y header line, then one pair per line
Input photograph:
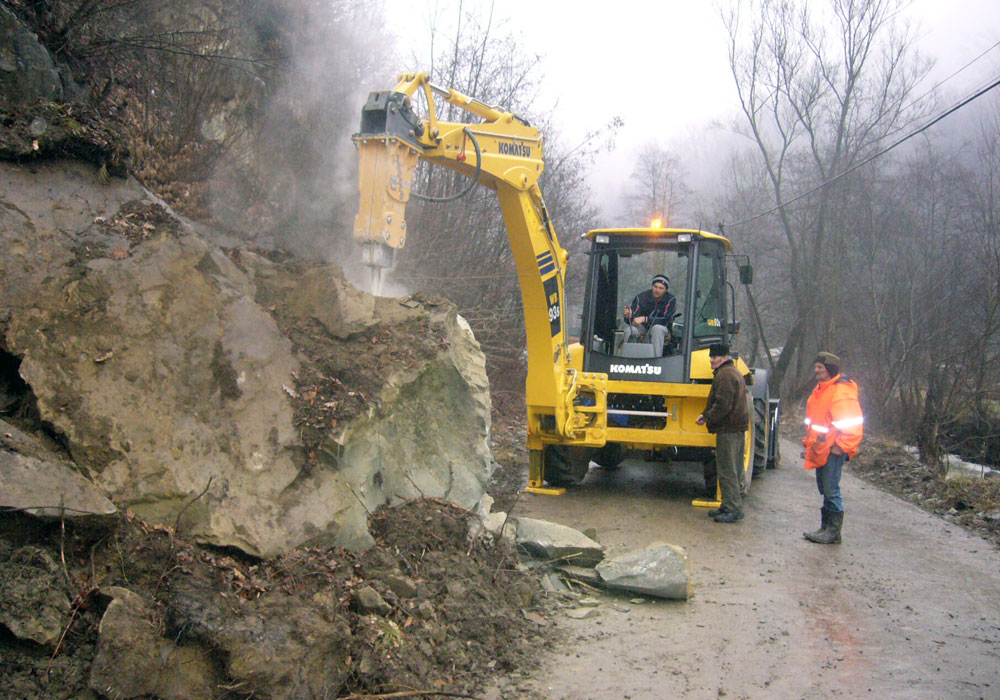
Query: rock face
x,y
258,405
26,69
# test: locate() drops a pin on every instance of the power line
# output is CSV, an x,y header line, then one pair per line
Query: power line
x,y
945,80
868,160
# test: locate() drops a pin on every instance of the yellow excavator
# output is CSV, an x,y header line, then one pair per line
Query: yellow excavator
x,y
615,391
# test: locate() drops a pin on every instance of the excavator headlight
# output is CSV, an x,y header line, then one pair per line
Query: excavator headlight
x,y
683,237
601,238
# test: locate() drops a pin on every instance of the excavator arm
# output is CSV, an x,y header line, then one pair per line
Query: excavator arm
x,y
502,152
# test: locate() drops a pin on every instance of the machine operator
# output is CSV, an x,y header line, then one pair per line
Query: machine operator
x,y
651,313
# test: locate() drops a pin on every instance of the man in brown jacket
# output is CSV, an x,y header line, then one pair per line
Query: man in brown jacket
x,y
727,414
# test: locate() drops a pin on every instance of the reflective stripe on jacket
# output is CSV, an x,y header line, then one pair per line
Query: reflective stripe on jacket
x,y
833,417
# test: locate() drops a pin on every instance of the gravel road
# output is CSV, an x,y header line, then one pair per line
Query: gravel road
x,y
906,607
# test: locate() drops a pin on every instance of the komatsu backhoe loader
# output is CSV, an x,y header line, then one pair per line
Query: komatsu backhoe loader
x,y
589,401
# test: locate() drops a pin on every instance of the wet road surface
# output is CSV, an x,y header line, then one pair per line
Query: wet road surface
x,y
907,607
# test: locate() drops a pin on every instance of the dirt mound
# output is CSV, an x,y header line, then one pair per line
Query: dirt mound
x,y
46,130
973,504
425,609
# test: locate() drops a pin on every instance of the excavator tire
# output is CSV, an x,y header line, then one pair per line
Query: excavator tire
x,y
610,456
759,437
566,465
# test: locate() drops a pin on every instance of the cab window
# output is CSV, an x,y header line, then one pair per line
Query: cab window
x,y
710,292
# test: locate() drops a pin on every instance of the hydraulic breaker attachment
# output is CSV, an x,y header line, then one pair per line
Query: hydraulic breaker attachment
x,y
384,178
387,160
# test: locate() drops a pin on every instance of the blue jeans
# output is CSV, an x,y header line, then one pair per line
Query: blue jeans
x,y
828,482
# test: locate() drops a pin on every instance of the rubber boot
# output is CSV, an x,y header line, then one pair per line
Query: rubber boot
x,y
831,535
825,521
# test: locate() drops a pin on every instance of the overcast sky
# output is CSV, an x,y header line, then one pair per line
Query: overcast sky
x,y
662,65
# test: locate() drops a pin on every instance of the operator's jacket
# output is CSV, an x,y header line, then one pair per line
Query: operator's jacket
x,y
659,312
727,409
833,417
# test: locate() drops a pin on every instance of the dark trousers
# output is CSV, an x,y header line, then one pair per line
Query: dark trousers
x,y
728,464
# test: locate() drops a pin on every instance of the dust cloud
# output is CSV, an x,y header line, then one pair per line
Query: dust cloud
x,y
298,144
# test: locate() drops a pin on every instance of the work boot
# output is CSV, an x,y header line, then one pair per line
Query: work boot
x,y
729,516
831,535
825,522
716,511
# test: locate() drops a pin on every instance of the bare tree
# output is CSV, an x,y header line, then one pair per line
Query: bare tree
x,y
921,299
955,368
658,189
815,104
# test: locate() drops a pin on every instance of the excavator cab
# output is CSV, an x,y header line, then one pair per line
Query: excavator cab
x,y
622,266
655,393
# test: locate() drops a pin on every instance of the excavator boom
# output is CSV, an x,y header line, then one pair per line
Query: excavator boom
x,y
504,153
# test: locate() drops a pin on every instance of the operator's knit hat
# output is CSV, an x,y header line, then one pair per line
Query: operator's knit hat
x,y
661,278
718,350
830,361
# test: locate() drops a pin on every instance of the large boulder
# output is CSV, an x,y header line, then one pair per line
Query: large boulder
x,y
257,404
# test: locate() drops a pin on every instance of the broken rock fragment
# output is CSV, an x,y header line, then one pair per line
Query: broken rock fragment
x,y
547,540
499,524
281,647
402,586
368,600
583,574
33,602
659,570
133,660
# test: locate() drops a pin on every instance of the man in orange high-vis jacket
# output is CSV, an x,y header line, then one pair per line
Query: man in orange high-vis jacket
x,y
834,427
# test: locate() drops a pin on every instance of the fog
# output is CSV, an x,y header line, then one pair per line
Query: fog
x,y
662,67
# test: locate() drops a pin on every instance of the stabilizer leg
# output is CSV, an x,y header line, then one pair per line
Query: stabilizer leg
x,y
536,476
707,502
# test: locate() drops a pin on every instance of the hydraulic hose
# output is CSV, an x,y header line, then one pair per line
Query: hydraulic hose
x,y
472,181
